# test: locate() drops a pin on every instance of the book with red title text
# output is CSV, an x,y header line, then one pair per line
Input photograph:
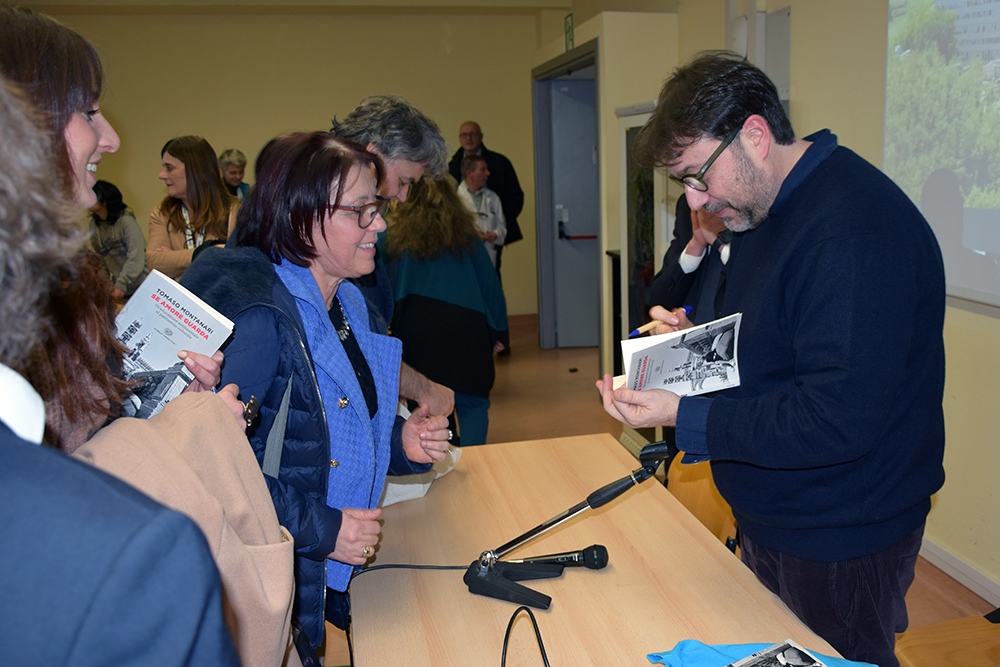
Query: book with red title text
x,y
161,319
687,362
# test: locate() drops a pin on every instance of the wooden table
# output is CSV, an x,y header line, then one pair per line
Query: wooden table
x,y
668,578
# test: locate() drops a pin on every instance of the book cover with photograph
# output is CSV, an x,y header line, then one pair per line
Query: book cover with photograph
x,y
161,319
786,653
688,362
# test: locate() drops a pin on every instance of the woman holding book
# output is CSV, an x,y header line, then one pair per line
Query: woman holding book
x,y
328,385
76,372
193,457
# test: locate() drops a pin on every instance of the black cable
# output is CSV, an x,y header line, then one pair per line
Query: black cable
x,y
538,635
404,566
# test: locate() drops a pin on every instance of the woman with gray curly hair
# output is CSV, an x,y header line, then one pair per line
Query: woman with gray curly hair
x,y
39,236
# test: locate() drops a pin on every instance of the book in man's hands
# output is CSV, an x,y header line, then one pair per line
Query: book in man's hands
x,y
785,653
688,362
161,319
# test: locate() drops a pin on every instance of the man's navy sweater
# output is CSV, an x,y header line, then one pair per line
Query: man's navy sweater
x,y
833,443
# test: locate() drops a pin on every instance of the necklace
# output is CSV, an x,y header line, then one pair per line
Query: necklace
x,y
344,328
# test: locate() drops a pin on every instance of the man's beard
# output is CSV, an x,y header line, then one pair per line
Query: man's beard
x,y
753,181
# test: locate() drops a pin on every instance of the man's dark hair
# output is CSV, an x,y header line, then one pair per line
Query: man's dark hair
x,y
709,97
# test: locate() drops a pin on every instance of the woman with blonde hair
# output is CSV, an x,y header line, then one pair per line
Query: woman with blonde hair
x,y
450,310
197,212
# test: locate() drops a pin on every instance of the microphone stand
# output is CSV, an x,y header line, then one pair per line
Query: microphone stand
x,y
491,577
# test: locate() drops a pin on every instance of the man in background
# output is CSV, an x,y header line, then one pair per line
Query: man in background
x,y
694,266
502,180
234,165
484,203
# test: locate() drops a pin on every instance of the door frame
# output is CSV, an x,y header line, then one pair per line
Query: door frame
x,y
582,56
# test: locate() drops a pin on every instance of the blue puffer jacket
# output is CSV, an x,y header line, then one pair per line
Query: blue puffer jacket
x,y
332,440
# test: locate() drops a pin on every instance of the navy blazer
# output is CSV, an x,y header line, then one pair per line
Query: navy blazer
x,y
93,572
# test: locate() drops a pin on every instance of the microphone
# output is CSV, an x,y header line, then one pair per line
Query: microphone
x,y
594,557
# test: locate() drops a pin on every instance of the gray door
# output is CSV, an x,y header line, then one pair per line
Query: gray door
x,y
568,217
574,195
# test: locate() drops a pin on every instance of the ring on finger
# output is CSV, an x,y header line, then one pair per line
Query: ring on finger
x,y
450,435
366,552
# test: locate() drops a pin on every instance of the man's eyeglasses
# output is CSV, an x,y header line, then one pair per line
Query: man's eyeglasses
x,y
366,213
696,181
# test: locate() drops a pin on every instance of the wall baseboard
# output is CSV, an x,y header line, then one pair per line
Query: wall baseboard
x,y
962,572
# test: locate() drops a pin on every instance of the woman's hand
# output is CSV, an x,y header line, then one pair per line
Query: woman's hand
x,y
207,370
358,536
425,437
230,394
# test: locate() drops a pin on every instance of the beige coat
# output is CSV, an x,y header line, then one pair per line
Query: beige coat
x,y
175,261
194,458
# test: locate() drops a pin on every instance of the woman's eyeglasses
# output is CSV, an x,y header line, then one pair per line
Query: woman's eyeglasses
x,y
366,213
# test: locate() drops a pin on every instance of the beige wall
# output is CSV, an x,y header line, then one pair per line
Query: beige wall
x,y
584,10
701,26
241,79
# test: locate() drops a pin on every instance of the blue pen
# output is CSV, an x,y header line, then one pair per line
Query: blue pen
x,y
650,325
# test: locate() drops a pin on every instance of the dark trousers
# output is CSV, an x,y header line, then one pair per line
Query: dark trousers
x,y
856,605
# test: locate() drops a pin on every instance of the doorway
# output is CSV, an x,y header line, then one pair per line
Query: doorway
x,y
567,198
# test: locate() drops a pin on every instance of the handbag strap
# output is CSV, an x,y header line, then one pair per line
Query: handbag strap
x,y
276,436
